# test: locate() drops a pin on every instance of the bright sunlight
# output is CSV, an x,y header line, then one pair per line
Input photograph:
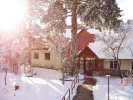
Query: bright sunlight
x,y
11,13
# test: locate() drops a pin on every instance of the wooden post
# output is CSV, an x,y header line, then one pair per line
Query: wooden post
x,y
71,89
84,66
108,88
97,64
101,64
69,94
78,79
79,65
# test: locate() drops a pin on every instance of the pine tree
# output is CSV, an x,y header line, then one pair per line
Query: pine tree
x,y
100,13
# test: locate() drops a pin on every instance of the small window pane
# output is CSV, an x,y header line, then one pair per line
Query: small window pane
x,y
115,64
47,56
36,56
111,64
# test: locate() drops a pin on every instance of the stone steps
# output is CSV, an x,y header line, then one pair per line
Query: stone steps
x,y
85,90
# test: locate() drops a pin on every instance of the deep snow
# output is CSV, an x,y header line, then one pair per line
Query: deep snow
x,y
47,86
43,86
116,92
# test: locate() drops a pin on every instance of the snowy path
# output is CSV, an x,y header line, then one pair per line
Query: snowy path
x,y
85,90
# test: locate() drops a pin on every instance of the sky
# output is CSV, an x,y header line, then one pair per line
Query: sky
x,y
127,7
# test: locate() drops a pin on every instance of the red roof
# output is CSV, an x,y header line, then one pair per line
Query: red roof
x,y
83,39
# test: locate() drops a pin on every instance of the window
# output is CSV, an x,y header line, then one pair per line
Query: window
x,y
113,64
132,65
47,56
36,55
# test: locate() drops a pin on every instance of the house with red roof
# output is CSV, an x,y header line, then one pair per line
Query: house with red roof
x,y
91,58
42,56
86,57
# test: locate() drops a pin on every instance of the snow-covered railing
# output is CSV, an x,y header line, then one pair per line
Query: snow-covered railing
x,y
74,83
67,94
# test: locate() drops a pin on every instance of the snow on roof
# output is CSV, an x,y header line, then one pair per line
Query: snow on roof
x,y
98,48
125,54
81,27
93,31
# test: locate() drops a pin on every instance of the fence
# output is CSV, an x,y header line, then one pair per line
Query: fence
x,y
74,83
67,94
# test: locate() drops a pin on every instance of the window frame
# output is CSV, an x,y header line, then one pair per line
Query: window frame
x,y
113,64
132,65
47,56
36,55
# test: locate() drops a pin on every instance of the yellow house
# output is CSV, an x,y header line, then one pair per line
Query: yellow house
x,y
45,58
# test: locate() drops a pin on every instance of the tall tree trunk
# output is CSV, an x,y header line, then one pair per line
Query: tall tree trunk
x,y
118,64
74,35
29,33
120,73
29,50
63,71
121,76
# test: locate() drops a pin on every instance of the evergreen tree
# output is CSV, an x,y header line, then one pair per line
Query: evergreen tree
x,y
100,13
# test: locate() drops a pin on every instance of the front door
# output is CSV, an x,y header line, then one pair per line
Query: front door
x,y
90,66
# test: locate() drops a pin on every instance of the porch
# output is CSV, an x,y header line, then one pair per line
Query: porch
x,y
88,62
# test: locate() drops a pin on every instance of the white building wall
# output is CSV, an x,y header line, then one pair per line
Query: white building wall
x,y
125,64
55,61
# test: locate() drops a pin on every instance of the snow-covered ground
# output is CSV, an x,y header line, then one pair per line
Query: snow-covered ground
x,y
47,86
116,92
43,86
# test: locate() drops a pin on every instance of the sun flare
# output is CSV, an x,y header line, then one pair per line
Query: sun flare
x,y
11,13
